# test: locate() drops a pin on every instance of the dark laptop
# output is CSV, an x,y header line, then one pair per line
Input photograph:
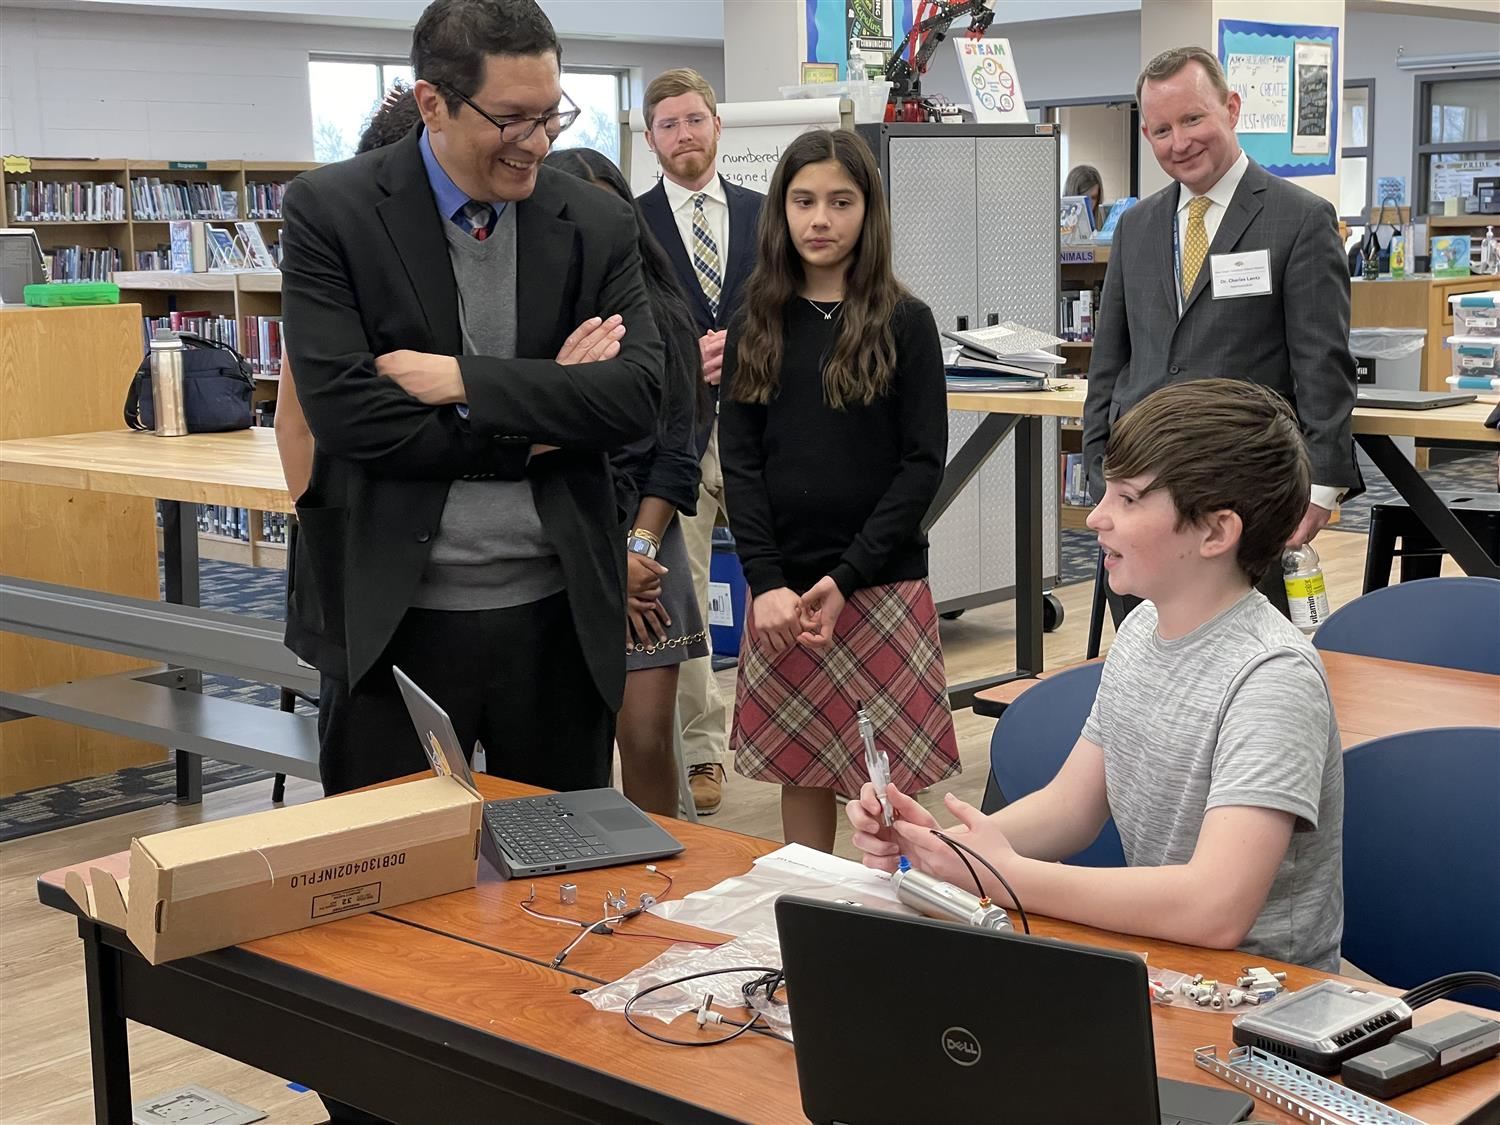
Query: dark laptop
x,y
900,1019
1410,400
541,835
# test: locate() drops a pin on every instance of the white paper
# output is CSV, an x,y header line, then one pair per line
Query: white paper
x,y
1263,83
1245,274
989,74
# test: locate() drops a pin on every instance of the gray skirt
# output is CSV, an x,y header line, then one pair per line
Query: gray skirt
x,y
687,637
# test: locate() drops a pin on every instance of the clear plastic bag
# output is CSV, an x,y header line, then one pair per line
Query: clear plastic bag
x,y
756,948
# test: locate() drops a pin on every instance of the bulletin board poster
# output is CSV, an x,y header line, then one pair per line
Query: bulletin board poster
x,y
1287,78
867,30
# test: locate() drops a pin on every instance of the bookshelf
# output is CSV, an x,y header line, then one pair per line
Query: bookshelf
x,y
236,297
140,230
1081,267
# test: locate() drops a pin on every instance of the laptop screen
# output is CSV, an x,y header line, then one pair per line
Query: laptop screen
x,y
434,728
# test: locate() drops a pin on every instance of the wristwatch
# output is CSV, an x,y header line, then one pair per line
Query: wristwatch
x,y
642,542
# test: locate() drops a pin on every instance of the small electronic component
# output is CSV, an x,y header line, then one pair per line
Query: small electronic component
x,y
567,894
937,899
1320,1026
1422,1055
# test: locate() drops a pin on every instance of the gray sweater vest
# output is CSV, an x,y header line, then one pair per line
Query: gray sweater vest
x,y
491,550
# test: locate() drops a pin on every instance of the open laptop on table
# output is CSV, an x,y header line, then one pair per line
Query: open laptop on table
x,y
542,835
900,1019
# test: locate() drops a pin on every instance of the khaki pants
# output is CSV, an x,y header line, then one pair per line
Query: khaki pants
x,y
700,707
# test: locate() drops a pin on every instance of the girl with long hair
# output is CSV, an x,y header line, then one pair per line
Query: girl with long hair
x,y
834,433
655,479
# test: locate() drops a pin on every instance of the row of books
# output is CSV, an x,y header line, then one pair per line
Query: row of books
x,y
211,326
161,257
261,336
235,523
69,201
1075,315
263,200
153,199
257,338
1075,480
82,263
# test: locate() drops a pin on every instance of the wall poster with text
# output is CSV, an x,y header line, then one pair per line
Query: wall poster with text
x,y
1287,78
865,30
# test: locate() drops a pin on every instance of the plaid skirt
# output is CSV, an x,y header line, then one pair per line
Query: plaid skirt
x,y
794,714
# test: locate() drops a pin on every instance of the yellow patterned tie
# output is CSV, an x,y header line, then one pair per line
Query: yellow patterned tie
x,y
1195,246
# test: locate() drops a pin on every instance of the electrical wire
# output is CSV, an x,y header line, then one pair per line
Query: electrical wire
x,y
952,843
771,980
1449,983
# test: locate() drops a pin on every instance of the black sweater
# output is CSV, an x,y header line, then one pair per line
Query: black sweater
x,y
665,464
814,491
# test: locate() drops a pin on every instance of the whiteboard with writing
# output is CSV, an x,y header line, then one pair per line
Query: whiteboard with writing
x,y
751,142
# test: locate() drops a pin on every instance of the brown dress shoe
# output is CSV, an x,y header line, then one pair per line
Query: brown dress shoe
x,y
707,783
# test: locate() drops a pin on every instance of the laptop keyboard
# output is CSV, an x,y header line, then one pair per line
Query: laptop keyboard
x,y
539,830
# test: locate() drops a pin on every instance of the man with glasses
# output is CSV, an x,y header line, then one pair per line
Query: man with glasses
x,y
460,517
707,227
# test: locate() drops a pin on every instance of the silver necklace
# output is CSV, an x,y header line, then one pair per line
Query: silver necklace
x,y
827,313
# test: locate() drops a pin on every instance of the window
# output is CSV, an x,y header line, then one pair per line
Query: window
x,y
1458,136
600,94
345,92
1356,163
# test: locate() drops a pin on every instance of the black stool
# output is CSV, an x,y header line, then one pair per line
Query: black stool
x,y
1421,555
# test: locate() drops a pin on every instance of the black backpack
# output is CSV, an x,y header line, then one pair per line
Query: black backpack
x,y
216,388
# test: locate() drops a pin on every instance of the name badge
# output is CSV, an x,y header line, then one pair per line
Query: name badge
x,y
1246,274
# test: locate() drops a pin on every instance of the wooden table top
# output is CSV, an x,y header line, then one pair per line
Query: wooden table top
x,y
1373,698
1455,423
509,990
238,469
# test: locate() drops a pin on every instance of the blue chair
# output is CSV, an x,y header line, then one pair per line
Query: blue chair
x,y
1032,740
1447,622
1422,856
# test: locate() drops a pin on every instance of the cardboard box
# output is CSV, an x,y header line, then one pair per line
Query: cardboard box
x,y
210,885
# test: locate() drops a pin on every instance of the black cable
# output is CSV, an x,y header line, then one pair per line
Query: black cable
x,y
1444,985
769,975
952,843
974,875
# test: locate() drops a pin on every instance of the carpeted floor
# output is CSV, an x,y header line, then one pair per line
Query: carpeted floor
x,y
261,593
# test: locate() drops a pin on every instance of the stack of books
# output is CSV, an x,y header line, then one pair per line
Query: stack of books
x,y
1002,357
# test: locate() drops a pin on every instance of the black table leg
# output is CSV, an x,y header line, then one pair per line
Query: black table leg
x,y
1425,504
179,523
966,463
109,1046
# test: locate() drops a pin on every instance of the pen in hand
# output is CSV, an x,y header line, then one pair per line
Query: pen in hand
x,y
876,761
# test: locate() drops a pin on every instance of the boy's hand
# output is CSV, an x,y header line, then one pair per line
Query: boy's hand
x,y
880,845
711,355
975,830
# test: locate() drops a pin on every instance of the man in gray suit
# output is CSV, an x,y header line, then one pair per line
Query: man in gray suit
x,y
1227,272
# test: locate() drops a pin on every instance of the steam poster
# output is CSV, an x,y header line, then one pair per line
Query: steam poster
x,y
1287,78
864,31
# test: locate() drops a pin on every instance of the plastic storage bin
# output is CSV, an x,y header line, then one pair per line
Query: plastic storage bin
x,y
726,596
1476,314
869,98
1475,355
57,294
1396,356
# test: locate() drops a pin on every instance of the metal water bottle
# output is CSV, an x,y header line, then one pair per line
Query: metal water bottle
x,y
167,391
1306,593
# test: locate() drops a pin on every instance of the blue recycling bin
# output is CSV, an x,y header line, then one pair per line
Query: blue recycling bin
x,y
726,596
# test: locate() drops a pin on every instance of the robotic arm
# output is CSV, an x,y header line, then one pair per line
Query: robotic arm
x,y
908,62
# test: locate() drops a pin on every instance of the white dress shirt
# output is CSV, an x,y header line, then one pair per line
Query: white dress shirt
x,y
1219,196
715,210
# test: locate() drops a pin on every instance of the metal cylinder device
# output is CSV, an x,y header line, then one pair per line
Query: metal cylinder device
x,y
938,899
167,392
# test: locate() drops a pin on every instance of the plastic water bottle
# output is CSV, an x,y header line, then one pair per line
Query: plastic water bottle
x,y
1306,593
1398,256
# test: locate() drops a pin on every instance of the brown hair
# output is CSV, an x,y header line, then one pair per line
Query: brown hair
x,y
1168,63
674,83
864,353
1217,444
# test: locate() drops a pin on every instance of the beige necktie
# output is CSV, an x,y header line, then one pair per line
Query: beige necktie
x,y
1195,245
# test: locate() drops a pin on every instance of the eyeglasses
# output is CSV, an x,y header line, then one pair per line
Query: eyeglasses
x,y
518,129
694,122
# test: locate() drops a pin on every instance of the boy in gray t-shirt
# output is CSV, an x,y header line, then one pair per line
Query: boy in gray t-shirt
x,y
1212,741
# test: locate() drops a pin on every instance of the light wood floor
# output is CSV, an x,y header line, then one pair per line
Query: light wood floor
x,y
44,1060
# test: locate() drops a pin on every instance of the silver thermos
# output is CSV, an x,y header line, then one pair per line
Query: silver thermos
x,y
166,384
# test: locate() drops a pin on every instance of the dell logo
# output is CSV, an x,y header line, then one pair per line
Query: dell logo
x,y
960,1045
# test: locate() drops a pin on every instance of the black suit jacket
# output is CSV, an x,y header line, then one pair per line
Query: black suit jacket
x,y
1294,339
366,271
744,214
